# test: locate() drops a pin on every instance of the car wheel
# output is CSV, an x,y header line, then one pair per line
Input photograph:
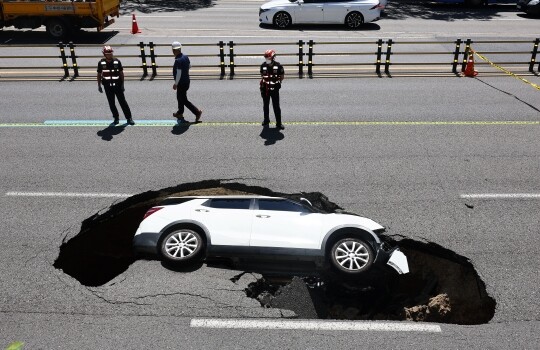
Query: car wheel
x,y
57,28
351,256
354,20
181,246
282,20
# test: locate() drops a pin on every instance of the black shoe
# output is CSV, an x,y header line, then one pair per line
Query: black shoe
x,y
280,127
130,121
115,121
198,116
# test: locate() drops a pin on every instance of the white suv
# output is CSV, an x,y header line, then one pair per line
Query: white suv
x,y
186,229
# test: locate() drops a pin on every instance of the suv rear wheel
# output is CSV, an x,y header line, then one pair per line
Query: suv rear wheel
x,y
181,246
351,256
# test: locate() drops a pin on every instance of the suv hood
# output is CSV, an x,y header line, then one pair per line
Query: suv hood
x,y
347,219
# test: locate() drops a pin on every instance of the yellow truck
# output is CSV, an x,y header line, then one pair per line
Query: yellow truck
x,y
60,17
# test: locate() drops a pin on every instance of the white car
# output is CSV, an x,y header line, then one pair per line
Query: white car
x,y
283,13
186,229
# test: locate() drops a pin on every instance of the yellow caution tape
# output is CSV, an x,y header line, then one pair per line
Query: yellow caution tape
x,y
484,58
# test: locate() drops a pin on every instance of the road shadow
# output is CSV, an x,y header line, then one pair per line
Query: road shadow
x,y
150,6
25,37
271,135
444,12
528,16
321,27
180,128
111,131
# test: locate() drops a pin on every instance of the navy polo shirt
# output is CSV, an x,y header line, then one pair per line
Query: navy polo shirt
x,y
182,62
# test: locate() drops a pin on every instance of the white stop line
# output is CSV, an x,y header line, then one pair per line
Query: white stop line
x,y
314,325
68,194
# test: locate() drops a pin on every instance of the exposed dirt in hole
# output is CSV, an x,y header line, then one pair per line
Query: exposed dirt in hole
x,y
441,287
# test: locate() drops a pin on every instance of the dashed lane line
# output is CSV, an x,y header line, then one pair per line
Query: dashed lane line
x,y
314,325
501,196
68,194
161,123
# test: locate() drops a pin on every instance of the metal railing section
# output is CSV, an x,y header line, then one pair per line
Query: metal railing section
x,y
304,58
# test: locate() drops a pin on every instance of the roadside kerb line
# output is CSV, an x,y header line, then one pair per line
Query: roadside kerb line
x,y
161,123
501,196
68,194
314,325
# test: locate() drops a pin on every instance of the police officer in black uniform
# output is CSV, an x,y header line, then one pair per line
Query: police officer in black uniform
x,y
110,73
272,74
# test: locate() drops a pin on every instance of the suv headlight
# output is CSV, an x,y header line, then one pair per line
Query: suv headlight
x,y
533,3
261,10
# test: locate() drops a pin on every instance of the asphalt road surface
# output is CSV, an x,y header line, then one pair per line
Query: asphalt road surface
x,y
454,161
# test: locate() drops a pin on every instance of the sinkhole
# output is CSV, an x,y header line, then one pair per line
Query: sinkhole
x,y
442,286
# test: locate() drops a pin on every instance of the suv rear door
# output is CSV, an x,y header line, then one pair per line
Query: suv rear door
x,y
227,219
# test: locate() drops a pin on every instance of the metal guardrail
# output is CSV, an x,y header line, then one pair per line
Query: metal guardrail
x,y
308,58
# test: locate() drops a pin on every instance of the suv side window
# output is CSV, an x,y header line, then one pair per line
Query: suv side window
x,y
281,205
229,203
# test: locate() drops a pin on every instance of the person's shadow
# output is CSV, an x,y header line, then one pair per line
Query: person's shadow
x,y
110,131
271,135
180,128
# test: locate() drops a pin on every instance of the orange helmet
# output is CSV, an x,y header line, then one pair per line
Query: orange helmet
x,y
107,49
269,54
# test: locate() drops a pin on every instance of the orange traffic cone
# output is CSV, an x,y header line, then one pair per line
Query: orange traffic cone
x,y
469,68
134,26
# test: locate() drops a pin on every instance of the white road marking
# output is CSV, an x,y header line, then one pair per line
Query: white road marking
x,y
68,194
314,325
501,196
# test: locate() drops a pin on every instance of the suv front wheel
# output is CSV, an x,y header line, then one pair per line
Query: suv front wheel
x,y
351,256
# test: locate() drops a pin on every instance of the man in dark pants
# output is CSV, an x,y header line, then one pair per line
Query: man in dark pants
x,y
181,84
272,74
110,73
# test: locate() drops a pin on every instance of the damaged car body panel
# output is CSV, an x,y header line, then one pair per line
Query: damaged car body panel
x,y
183,230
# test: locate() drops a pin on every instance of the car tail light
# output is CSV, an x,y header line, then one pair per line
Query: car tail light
x,y
378,6
151,211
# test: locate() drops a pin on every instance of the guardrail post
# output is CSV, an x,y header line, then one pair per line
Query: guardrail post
x,y
64,59
222,58
300,58
466,54
533,57
456,56
388,54
310,59
231,59
143,59
379,55
153,59
73,59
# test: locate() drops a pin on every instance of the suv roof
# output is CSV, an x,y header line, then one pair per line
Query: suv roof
x,y
225,196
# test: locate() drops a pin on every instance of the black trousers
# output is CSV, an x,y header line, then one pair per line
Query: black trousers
x,y
117,90
181,96
274,96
